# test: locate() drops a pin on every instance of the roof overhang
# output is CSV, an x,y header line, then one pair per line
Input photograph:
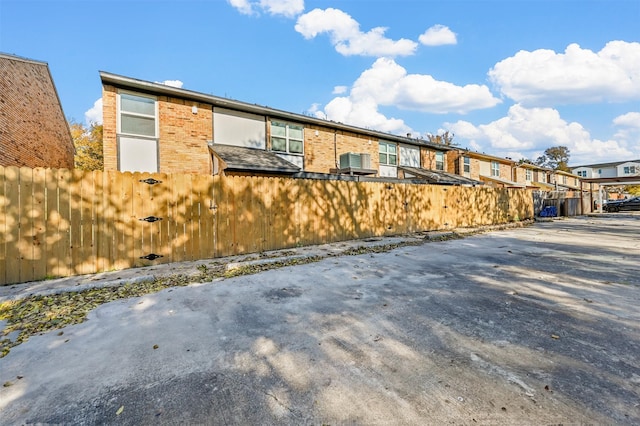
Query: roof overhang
x,y
625,180
439,177
162,89
240,159
505,182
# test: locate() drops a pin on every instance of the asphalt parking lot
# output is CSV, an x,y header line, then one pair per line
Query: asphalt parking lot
x,y
535,325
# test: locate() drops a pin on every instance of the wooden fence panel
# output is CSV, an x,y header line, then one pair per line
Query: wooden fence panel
x,y
38,215
61,222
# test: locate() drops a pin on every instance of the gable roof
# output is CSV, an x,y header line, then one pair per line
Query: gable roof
x,y
256,160
162,89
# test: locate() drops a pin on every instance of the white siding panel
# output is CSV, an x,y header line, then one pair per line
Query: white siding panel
x,y
298,160
239,129
409,156
388,171
138,155
485,168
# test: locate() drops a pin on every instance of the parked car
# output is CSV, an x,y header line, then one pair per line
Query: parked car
x,y
618,205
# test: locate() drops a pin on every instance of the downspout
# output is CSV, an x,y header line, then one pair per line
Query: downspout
x,y
335,148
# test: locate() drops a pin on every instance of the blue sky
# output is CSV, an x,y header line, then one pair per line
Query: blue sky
x,y
507,77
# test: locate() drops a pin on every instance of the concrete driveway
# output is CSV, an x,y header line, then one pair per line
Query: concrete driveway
x,y
536,325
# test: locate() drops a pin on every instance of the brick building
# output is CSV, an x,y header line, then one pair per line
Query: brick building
x,y
157,128
33,129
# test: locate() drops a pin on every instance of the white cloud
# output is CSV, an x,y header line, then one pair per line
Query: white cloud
x,y
630,119
287,8
438,35
529,131
364,114
339,90
172,83
243,6
629,130
388,84
544,77
94,114
345,34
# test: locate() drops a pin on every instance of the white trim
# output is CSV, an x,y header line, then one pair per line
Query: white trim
x,y
133,114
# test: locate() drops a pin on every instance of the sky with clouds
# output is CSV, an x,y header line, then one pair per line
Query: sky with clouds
x,y
507,77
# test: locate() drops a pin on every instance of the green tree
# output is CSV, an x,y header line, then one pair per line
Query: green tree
x,y
633,189
444,139
88,144
556,158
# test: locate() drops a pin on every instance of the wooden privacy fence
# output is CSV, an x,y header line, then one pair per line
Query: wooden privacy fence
x,y
58,222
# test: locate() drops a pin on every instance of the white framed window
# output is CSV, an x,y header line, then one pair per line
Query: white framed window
x,y
528,175
388,154
137,115
286,137
439,160
564,180
466,164
495,169
137,127
629,170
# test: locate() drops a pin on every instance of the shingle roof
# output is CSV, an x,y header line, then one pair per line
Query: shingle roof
x,y
250,159
440,177
504,181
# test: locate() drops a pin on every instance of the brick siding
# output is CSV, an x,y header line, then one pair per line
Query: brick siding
x,y
34,131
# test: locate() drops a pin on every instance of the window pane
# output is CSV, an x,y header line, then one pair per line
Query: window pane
x,y
138,125
382,147
137,104
279,144
392,149
278,129
439,165
393,160
295,132
295,147
439,156
383,158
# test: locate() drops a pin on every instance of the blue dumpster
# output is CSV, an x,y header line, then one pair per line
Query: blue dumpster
x,y
549,211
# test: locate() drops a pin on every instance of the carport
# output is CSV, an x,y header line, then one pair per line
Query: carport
x,y
610,181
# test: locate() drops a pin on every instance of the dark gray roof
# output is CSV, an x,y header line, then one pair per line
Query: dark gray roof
x,y
440,177
600,165
158,88
249,159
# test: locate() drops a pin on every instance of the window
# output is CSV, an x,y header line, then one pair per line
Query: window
x,y
137,115
466,165
528,175
137,133
439,160
564,179
495,169
287,137
629,170
582,173
388,153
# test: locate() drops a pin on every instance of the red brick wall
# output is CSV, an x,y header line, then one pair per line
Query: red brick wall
x,y
428,159
34,131
321,153
109,140
183,135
